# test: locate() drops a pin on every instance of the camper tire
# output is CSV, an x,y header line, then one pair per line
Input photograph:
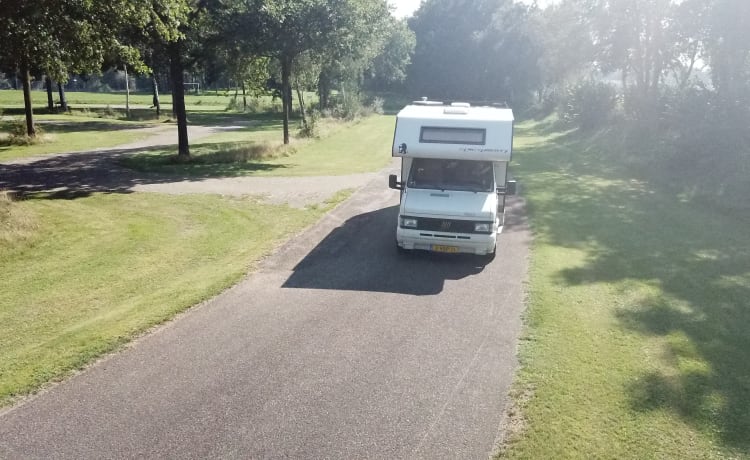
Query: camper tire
x,y
490,256
401,251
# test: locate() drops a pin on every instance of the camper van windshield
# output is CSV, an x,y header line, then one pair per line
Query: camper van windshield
x,y
465,175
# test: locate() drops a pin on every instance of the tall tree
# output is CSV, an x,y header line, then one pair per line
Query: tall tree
x,y
635,37
728,48
73,35
476,50
284,29
390,65
563,33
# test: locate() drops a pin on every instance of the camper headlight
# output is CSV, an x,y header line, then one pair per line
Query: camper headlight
x,y
408,222
482,227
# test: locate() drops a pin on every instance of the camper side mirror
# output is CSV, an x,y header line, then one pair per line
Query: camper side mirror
x,y
394,183
509,189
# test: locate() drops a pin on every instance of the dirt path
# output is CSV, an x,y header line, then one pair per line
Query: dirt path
x,y
73,174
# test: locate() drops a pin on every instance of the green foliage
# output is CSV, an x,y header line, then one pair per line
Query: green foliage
x,y
481,51
705,147
310,129
388,69
588,104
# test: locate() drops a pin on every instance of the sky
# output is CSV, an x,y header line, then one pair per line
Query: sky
x,y
408,7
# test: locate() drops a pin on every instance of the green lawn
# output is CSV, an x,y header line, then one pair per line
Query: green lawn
x,y
360,147
639,310
81,277
66,133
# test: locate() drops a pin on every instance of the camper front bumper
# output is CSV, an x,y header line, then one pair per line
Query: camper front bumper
x,y
468,243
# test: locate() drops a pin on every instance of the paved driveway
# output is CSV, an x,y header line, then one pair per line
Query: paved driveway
x,y
336,348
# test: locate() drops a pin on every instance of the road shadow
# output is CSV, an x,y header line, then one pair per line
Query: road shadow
x,y
361,255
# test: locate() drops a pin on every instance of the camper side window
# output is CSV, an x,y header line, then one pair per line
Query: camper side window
x,y
462,175
443,135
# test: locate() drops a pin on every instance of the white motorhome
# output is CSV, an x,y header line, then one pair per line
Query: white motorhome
x,y
454,169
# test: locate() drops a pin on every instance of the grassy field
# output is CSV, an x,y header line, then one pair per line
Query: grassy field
x,y
14,98
639,307
81,277
93,123
346,148
66,133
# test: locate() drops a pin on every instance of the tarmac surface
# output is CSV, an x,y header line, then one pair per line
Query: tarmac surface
x,y
337,347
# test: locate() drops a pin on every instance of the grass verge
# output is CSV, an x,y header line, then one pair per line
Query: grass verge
x,y
636,341
81,277
254,150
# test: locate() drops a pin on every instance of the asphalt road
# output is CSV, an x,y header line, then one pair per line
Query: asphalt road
x,y
337,347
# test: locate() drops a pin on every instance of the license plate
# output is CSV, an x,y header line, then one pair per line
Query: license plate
x,y
441,248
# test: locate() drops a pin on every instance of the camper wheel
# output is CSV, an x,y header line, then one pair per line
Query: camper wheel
x,y
490,256
401,251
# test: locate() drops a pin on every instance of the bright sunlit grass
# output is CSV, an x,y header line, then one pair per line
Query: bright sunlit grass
x,y
81,277
347,148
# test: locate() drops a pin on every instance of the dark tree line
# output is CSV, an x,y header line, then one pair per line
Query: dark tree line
x,y
323,44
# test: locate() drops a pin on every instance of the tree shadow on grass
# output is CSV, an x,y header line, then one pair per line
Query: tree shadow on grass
x,y
81,174
74,126
697,257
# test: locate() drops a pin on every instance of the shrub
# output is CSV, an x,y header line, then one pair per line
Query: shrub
x,y
18,136
234,105
377,105
349,107
310,129
588,104
108,112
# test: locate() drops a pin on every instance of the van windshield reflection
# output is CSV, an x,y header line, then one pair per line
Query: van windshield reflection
x,y
460,175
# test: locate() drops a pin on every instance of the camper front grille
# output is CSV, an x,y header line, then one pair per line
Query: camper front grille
x,y
446,225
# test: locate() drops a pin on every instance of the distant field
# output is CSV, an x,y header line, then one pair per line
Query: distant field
x,y
211,100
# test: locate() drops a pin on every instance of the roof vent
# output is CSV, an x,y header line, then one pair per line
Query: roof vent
x,y
425,101
456,110
460,104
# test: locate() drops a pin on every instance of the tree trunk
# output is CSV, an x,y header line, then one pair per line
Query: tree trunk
x,y
178,98
324,90
244,97
127,92
50,99
155,86
301,99
26,81
286,70
63,101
